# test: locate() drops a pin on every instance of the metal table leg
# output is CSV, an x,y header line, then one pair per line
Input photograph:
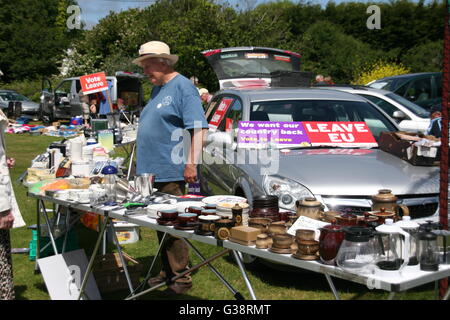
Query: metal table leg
x,y
119,250
52,239
244,274
447,295
94,254
333,288
235,293
214,257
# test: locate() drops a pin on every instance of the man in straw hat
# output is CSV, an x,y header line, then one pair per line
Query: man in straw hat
x,y
174,106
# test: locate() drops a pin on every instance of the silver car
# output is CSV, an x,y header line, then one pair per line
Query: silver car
x,y
28,107
343,179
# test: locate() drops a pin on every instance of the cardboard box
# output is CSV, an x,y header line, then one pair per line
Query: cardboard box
x,y
401,144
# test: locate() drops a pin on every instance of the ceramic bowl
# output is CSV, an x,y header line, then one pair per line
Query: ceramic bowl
x,y
282,241
305,234
278,227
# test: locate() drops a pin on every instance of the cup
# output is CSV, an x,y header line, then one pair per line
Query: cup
x,y
282,241
208,212
307,247
305,234
211,206
207,224
186,218
168,215
194,209
222,228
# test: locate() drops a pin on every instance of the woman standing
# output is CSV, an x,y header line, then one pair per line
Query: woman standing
x,y
9,217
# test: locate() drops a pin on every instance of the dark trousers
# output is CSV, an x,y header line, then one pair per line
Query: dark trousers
x,y
175,252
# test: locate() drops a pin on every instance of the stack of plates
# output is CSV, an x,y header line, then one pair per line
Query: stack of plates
x,y
226,202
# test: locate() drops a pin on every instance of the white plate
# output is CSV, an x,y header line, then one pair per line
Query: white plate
x,y
226,206
224,198
182,205
152,209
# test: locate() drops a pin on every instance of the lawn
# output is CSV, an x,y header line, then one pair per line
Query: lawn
x,y
268,283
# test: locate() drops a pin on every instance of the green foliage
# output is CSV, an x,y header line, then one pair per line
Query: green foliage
x,y
427,57
379,70
327,50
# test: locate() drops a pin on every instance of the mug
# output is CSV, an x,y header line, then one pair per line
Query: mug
x,y
208,212
194,209
207,224
185,218
169,215
210,206
222,228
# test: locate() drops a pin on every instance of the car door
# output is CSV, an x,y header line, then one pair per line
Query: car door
x,y
420,91
218,175
62,96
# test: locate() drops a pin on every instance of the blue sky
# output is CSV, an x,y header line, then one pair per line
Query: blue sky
x,y
93,10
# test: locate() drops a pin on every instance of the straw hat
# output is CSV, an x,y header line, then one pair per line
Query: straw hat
x,y
202,91
155,49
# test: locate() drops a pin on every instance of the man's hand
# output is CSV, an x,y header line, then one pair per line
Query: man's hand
x,y
10,162
190,173
6,220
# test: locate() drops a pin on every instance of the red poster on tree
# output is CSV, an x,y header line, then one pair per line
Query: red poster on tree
x,y
220,113
93,83
340,134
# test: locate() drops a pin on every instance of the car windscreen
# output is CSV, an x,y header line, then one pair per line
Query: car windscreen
x,y
243,64
322,110
416,109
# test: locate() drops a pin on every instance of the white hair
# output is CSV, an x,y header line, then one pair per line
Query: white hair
x,y
168,62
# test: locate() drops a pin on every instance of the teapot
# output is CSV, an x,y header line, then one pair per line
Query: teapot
x,y
310,207
385,199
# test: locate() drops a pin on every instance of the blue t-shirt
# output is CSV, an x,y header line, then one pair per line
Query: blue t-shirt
x,y
173,108
104,104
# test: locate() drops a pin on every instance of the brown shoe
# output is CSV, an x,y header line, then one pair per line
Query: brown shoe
x,y
178,288
156,280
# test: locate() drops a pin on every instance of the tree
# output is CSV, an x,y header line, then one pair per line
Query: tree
x,y
427,57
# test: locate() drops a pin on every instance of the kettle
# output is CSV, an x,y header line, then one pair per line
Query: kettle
x,y
310,207
385,199
394,246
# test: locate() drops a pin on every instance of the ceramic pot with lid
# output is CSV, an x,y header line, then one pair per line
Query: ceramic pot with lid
x,y
265,207
385,199
310,207
383,214
330,240
347,219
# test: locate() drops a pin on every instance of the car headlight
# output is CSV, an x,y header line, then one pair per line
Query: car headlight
x,y
288,191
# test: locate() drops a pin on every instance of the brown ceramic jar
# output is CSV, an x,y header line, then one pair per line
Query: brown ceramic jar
x,y
331,237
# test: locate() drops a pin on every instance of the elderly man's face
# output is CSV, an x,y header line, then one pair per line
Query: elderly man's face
x,y
155,71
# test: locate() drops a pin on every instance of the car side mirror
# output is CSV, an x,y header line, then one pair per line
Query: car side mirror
x,y
399,115
64,101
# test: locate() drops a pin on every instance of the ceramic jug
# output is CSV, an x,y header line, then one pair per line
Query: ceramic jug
x,y
385,199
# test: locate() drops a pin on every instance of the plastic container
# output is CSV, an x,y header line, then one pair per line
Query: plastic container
x,y
81,168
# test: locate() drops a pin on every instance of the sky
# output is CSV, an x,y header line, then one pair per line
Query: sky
x,y
93,10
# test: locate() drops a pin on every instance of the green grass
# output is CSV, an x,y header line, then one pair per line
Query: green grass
x,y
268,283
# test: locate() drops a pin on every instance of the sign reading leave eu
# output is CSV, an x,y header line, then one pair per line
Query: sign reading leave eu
x,y
93,83
253,134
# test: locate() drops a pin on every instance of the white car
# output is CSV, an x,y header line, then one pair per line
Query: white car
x,y
408,115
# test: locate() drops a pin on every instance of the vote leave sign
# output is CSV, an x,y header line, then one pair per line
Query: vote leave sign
x,y
93,83
339,134
344,134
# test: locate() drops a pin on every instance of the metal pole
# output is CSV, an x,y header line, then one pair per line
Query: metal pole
x,y
94,254
119,250
333,288
235,293
244,274
50,233
443,201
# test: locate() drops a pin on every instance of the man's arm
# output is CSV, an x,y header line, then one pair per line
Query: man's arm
x,y
197,142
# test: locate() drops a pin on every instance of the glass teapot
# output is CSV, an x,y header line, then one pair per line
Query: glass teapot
x,y
394,246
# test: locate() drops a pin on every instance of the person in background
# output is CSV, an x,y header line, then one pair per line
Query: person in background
x,y
104,103
320,80
435,127
84,100
93,108
121,105
10,217
328,80
204,96
175,107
